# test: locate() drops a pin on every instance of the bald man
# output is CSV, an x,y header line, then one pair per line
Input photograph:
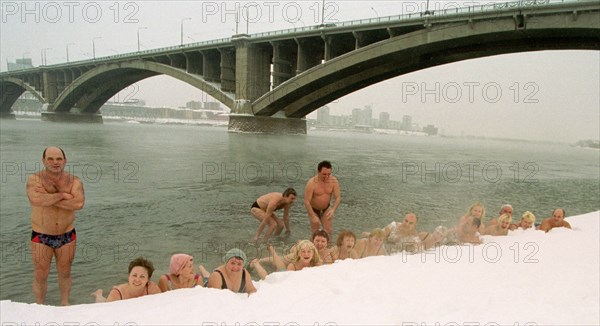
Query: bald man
x,y
556,221
54,196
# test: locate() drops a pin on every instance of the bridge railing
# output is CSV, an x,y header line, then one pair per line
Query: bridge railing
x,y
446,13
412,17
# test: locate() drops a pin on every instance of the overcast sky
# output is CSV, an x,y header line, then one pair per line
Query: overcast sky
x,y
550,95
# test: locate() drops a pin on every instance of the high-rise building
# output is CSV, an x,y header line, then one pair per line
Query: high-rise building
x,y
19,64
384,120
367,114
323,117
357,118
407,122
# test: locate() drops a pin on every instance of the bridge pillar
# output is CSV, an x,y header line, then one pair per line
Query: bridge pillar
x,y
72,117
252,70
247,123
50,86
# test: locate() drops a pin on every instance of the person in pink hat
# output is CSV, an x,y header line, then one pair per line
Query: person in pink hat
x,y
182,274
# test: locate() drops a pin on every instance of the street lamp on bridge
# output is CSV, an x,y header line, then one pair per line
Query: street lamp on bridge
x,y
182,28
94,46
68,50
323,14
375,11
44,61
138,36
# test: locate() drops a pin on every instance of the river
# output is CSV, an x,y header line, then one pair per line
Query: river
x,y
155,190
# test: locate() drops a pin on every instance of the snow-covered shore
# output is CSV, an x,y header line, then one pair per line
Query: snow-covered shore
x,y
526,278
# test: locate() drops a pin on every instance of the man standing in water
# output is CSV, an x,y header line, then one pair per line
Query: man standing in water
x,y
317,198
54,196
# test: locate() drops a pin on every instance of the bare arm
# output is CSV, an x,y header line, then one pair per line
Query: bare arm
x,y
249,284
545,226
338,195
286,219
388,229
271,207
38,196
163,284
214,281
78,197
113,295
153,288
308,194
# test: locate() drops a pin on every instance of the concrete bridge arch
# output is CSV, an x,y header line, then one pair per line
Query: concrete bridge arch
x,y
422,49
92,89
12,88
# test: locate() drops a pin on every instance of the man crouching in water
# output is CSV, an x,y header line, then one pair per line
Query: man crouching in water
x,y
54,196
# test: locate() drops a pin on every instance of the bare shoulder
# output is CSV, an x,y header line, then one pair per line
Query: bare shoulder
x,y
214,280
311,181
545,223
153,288
34,179
115,293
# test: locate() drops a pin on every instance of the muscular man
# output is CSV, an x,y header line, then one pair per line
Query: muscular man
x,y
556,221
54,196
264,210
317,198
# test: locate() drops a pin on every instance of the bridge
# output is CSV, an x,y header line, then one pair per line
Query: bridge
x,y
272,80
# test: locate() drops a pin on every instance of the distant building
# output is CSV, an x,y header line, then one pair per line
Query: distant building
x,y
357,117
431,130
197,105
215,106
407,123
362,120
367,114
323,117
20,64
384,120
194,105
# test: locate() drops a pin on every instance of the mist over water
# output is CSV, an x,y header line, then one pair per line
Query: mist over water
x,y
155,190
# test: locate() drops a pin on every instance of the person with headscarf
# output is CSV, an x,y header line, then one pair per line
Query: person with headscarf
x,y
232,275
182,274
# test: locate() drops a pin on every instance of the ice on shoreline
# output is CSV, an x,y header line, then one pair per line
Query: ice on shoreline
x,y
526,278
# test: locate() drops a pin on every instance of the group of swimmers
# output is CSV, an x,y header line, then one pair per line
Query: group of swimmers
x,y
395,237
231,275
55,195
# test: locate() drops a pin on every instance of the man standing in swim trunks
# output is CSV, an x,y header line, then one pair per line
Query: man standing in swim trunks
x,y
54,196
317,198
264,210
